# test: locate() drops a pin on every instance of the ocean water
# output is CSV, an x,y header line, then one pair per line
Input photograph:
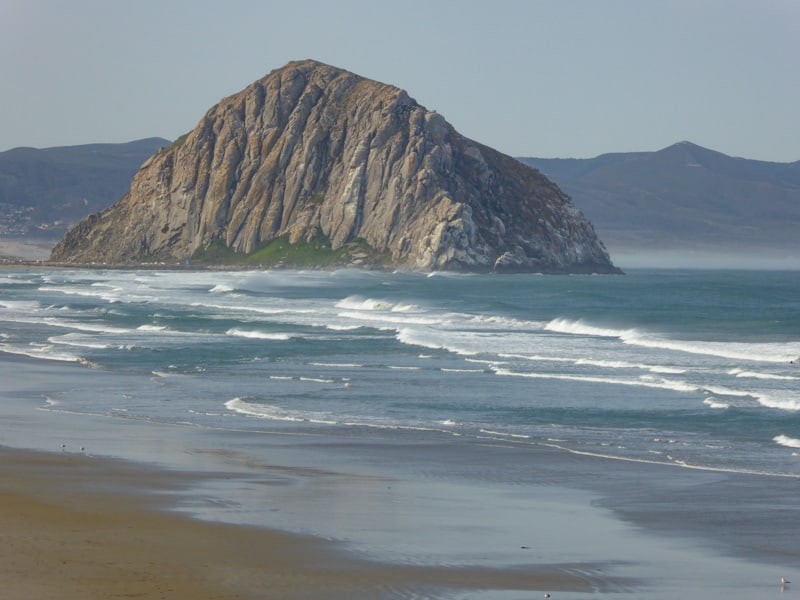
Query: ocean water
x,y
682,371
689,368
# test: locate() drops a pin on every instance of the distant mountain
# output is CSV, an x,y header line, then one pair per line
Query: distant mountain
x,y
685,198
44,191
316,166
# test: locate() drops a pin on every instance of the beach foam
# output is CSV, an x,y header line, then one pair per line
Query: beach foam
x,y
785,440
759,352
258,335
664,384
712,402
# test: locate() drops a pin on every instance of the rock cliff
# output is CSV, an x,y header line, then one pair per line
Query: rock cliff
x,y
315,156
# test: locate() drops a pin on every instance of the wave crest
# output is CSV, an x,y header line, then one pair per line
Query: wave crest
x,y
763,352
785,440
258,335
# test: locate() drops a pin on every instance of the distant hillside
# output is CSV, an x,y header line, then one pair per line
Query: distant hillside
x,y
685,198
43,192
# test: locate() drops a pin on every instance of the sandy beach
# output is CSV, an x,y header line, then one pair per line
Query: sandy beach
x,y
81,527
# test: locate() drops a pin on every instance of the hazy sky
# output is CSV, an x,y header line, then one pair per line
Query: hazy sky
x,y
547,78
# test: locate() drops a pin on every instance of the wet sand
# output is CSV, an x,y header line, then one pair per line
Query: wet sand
x,y
80,527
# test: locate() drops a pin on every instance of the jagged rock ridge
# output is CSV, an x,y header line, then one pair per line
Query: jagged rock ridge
x,y
311,150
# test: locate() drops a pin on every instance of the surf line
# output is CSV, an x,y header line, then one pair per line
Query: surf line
x,y
681,464
510,442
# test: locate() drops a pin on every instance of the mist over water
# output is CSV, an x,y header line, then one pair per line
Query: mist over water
x,y
732,259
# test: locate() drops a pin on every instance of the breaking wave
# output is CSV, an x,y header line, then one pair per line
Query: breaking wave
x,y
763,352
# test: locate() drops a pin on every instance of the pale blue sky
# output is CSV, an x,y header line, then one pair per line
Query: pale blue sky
x,y
548,78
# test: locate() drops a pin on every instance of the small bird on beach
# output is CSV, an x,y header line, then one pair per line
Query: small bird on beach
x,y
785,581
546,595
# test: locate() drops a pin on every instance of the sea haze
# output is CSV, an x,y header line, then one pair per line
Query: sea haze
x,y
686,205
689,375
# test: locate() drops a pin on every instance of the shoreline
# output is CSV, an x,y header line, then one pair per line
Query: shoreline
x,y
579,524
81,527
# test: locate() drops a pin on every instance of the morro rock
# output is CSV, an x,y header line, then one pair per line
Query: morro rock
x,y
317,158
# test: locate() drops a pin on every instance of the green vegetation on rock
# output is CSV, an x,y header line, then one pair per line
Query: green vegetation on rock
x,y
278,252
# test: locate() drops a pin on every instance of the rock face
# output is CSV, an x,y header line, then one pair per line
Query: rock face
x,y
313,152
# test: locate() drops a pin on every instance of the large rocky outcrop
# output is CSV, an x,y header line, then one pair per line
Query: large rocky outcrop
x,y
313,152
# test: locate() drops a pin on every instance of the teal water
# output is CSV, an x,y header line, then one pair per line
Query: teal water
x,y
690,368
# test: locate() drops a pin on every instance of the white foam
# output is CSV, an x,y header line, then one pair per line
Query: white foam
x,y
9,280
264,411
50,401
259,310
505,434
405,308
579,327
363,304
785,440
608,364
267,411
481,361
40,351
80,326
337,365
258,335
673,462
388,318
621,364
429,338
497,322
779,400
317,380
108,293
536,357
151,328
164,374
446,274
767,376
78,341
21,305
719,390
761,352
275,413
714,403
221,288
663,384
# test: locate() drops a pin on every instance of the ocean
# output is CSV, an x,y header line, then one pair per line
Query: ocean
x,y
666,401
